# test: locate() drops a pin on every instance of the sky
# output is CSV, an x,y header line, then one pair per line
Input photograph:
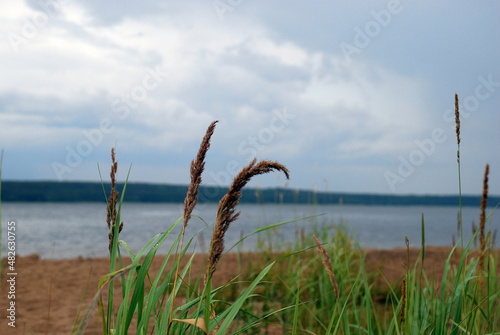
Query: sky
x,y
351,96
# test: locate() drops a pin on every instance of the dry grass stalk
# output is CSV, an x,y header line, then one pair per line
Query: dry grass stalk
x,y
196,170
226,210
327,262
113,196
112,201
197,167
457,131
457,126
482,218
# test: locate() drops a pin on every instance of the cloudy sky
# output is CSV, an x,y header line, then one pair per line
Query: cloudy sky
x,y
351,96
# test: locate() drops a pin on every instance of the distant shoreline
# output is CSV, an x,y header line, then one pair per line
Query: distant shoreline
x,y
68,192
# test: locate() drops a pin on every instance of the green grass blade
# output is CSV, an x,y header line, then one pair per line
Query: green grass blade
x,y
233,310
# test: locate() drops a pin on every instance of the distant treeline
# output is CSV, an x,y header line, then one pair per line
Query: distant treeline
x,y
51,191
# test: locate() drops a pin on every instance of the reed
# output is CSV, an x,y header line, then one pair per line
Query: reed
x,y
457,126
482,220
457,132
112,217
327,262
226,212
111,212
196,170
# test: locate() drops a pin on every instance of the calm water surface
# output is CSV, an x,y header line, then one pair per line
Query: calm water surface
x,y
57,230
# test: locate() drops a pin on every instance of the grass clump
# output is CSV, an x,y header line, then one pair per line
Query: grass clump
x,y
149,302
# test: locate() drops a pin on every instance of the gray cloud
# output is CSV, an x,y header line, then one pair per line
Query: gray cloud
x,y
151,77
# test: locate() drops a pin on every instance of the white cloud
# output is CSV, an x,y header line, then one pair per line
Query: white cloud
x,y
76,13
377,111
285,53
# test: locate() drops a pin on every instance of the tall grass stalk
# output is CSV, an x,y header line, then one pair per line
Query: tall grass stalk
x,y
226,214
482,221
196,171
115,226
457,132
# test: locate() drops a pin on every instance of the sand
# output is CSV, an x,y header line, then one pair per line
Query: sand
x,y
48,292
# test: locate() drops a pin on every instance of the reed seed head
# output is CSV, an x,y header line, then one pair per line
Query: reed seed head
x,y
112,201
482,217
457,126
197,167
226,212
327,263
113,196
457,119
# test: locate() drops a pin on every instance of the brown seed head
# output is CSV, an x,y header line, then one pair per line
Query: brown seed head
x,y
327,263
457,125
112,200
482,217
457,119
197,167
226,211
